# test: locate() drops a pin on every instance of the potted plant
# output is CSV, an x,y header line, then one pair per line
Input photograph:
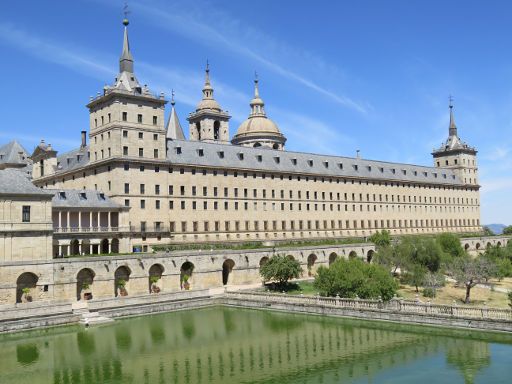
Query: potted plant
x,y
121,285
186,284
154,287
27,297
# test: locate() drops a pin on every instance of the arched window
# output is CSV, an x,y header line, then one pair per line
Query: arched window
x,y
198,130
216,130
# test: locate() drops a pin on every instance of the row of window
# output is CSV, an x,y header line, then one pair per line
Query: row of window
x,y
124,118
125,135
285,225
299,195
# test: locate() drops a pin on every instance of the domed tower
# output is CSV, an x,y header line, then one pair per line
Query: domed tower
x,y
457,155
209,122
258,130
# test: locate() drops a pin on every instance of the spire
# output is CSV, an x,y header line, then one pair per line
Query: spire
x,y
173,126
257,104
207,89
126,60
453,127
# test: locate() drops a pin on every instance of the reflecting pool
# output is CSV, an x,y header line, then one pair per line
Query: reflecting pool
x,y
228,345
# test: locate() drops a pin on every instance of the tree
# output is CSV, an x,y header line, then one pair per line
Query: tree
x,y
507,230
450,244
381,239
470,272
432,282
415,276
391,257
281,268
487,231
351,278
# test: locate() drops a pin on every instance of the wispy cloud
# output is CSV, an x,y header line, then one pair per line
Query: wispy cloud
x,y
226,34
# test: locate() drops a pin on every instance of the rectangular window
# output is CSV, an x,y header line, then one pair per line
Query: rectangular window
x,y
157,204
141,152
142,204
157,189
125,116
139,118
125,133
125,151
155,153
26,214
127,202
126,188
155,121
142,189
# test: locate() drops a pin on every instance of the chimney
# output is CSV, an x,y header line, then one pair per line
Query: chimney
x,y
84,139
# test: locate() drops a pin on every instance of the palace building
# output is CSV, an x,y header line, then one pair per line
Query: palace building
x,y
213,187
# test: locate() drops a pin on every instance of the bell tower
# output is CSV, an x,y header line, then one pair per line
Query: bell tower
x,y
457,155
209,122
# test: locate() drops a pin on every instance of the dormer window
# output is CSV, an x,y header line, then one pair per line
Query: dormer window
x,y
294,161
178,150
310,162
277,159
435,175
83,196
68,160
200,152
355,166
425,174
404,171
444,175
326,164
62,195
369,168
241,155
415,173
259,158
221,154
381,169
340,165
393,171
101,196
78,158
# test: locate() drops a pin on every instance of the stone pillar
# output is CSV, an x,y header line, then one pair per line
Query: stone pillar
x,y
60,221
90,222
67,222
109,250
90,249
108,220
60,248
80,221
99,222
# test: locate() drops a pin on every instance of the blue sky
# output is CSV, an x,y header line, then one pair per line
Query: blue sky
x,y
336,76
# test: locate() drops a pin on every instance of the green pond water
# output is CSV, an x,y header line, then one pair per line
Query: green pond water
x,y
229,345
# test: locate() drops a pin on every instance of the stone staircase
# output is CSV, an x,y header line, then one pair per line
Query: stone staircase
x,y
89,319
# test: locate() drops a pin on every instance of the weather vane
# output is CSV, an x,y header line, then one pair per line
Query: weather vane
x,y
450,100
126,11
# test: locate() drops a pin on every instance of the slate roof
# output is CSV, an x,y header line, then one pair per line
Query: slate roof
x,y
15,181
10,154
263,159
81,198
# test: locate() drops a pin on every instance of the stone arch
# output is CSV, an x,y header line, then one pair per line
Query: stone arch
x,y
332,257
477,246
84,281
114,247
155,278
216,130
186,272
227,268
275,146
369,255
498,244
290,257
74,247
488,245
264,260
121,280
256,145
104,246
311,263
26,281
352,255
466,247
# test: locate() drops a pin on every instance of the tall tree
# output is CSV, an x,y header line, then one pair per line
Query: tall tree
x,y
470,272
281,269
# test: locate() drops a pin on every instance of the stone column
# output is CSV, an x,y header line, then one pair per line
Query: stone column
x,y
99,222
60,221
67,222
80,221
108,220
60,249
90,222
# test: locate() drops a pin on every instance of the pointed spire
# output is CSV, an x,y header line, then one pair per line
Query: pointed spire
x,y
452,127
126,60
173,126
207,89
257,104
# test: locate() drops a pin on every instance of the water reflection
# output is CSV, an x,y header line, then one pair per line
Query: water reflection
x,y
225,345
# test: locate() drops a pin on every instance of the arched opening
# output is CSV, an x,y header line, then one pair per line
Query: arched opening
x,y
477,246
25,287
332,258
74,247
311,262
121,279
466,247
263,261
86,247
489,245
84,280
369,255
498,244
114,247
216,130
155,278
256,145
275,146
352,255
227,268
104,246
290,257
186,271
198,130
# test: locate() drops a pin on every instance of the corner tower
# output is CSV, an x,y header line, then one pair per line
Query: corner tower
x,y
258,130
127,119
457,155
209,122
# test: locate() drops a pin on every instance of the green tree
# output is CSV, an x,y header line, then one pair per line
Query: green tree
x,y
351,278
450,244
470,272
381,239
487,231
281,269
415,276
507,230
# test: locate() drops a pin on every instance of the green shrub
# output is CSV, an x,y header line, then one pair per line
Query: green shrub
x,y
280,268
429,292
351,278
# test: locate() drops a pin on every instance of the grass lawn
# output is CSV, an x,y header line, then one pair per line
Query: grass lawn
x,y
505,283
449,293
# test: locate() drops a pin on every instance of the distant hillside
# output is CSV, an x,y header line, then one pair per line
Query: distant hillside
x,y
497,229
